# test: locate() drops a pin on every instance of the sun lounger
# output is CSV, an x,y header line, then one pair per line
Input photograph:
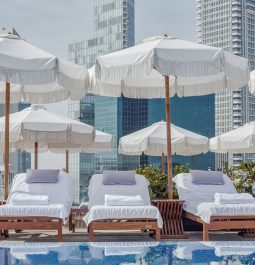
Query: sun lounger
x,y
101,217
49,216
201,207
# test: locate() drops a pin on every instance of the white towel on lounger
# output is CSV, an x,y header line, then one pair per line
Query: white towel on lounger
x,y
29,199
235,198
117,200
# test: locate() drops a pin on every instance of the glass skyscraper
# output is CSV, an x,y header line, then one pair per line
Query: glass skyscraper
x,y
230,24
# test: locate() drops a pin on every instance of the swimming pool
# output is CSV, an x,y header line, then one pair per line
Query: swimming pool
x,y
127,253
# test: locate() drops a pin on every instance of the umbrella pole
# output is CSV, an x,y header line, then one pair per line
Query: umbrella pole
x,y
67,161
163,163
36,155
168,134
7,140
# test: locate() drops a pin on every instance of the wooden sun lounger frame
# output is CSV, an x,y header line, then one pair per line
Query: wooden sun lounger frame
x,y
223,222
124,224
32,223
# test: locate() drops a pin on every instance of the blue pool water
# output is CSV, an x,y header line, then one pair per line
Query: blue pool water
x,y
124,253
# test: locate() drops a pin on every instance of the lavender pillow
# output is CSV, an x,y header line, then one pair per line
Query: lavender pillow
x,y
119,178
42,176
201,177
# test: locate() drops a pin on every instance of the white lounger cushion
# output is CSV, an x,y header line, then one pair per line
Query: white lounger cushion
x,y
97,190
60,195
199,199
101,212
206,209
225,198
51,210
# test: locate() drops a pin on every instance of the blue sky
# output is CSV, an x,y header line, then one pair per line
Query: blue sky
x,y
53,24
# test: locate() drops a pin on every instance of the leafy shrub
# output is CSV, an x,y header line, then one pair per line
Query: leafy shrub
x,y
158,181
243,176
181,169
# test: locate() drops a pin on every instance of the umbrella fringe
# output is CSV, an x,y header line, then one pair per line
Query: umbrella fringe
x,y
68,87
14,76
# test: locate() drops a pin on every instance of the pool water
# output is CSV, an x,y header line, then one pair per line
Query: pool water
x,y
128,253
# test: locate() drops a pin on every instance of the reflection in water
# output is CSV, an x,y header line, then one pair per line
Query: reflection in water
x,y
127,253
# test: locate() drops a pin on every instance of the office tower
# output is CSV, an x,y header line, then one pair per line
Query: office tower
x,y
230,24
113,31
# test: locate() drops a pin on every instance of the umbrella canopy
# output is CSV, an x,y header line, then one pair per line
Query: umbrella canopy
x,y
39,128
31,74
37,76
37,124
152,141
103,143
195,69
240,140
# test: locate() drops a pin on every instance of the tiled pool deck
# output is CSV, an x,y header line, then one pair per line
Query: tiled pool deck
x,y
81,236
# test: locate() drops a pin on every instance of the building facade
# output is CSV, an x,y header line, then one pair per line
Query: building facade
x,y
230,24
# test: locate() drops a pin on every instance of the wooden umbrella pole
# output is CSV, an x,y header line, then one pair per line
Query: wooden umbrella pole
x,y
163,163
168,135
7,140
67,161
36,155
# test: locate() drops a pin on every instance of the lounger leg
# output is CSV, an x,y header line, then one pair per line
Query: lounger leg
x,y
91,233
157,233
70,222
205,232
6,233
60,235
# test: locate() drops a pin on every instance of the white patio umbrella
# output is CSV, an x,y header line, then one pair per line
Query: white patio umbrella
x,y
31,74
149,69
240,140
39,128
152,141
103,143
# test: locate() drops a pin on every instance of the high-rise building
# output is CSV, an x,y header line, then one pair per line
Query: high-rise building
x,y
114,30
230,24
